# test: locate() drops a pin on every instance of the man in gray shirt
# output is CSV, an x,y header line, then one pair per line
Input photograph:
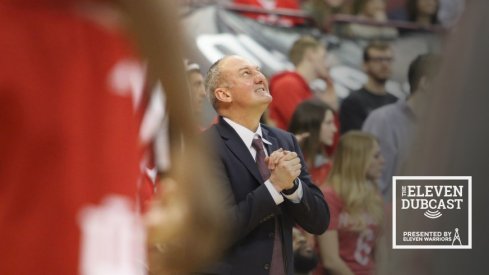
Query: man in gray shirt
x,y
394,124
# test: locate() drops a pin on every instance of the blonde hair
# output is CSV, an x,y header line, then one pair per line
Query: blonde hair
x,y
348,178
300,46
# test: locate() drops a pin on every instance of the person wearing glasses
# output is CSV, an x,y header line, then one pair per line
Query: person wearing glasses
x,y
377,63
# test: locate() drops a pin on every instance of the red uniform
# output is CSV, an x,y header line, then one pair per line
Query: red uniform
x,y
356,248
271,5
288,89
320,173
68,134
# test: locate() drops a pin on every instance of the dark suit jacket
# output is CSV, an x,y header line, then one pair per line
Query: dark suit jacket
x,y
251,206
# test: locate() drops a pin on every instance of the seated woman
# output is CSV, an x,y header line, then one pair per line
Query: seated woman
x,y
323,10
373,11
423,12
356,207
313,123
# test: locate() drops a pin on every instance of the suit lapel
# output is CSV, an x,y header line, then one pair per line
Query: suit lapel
x,y
238,148
274,143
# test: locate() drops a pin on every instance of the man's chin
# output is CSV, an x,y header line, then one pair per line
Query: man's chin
x,y
381,80
266,97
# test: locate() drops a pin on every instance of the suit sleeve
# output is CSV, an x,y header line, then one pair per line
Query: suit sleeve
x,y
312,213
245,215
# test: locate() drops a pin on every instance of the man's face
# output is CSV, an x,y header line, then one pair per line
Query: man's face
x,y
245,82
379,65
305,259
318,60
197,90
375,9
427,7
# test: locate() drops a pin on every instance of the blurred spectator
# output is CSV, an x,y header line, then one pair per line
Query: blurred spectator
x,y
349,244
375,12
323,10
423,12
314,126
305,258
271,5
394,124
71,91
370,9
197,88
290,88
453,141
450,11
68,139
377,63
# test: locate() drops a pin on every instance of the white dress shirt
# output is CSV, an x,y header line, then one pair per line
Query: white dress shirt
x,y
247,136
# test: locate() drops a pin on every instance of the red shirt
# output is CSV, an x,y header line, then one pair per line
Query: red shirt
x,y
319,174
68,137
288,89
356,248
271,18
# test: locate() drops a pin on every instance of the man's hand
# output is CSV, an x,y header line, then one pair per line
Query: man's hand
x,y
302,137
329,96
286,170
273,160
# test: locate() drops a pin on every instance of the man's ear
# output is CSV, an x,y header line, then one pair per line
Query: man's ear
x,y
223,95
424,83
309,54
364,66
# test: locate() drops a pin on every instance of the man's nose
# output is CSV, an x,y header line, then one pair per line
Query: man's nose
x,y
259,77
202,91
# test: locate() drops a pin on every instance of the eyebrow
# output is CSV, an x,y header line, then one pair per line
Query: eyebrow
x,y
250,67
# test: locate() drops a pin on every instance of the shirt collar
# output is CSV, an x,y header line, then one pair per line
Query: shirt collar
x,y
404,106
246,134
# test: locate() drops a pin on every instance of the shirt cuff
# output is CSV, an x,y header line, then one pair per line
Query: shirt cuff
x,y
295,197
277,197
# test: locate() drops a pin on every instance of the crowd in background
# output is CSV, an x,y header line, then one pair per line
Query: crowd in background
x,y
352,147
353,170
423,14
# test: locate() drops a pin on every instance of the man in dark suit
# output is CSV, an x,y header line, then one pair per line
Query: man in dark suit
x,y
269,188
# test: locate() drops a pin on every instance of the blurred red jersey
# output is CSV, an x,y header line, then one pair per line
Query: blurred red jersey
x,y
273,5
68,136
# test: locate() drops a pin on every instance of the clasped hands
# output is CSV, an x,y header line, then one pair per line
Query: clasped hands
x,y
285,167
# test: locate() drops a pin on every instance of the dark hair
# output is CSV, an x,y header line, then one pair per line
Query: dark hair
x,y
412,12
307,118
425,65
378,45
359,6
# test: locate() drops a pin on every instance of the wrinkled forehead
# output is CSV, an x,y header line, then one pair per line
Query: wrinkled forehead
x,y
236,63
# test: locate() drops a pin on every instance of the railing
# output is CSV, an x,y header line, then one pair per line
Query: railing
x,y
402,25
309,21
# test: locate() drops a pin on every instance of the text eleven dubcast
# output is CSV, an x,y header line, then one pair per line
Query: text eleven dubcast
x,y
431,204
